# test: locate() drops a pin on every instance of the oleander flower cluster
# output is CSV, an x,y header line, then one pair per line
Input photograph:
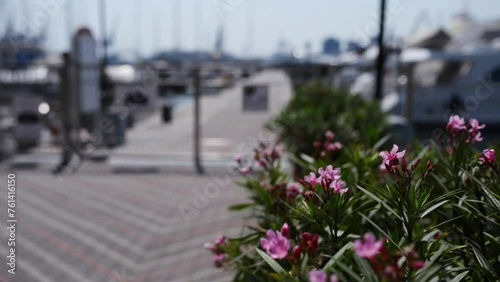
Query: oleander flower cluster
x,y
328,178
217,250
472,130
394,212
264,158
326,146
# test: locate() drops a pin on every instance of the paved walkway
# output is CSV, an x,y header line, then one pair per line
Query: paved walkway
x,y
119,227
226,129
102,224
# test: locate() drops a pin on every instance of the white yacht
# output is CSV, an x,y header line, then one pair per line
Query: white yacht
x,y
465,82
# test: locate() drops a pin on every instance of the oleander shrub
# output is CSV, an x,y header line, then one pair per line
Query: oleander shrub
x,y
364,213
316,108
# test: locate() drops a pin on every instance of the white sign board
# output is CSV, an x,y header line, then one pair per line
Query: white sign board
x,y
255,98
87,63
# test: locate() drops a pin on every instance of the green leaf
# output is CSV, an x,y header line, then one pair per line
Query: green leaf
x,y
349,271
304,261
432,260
460,276
271,262
377,199
487,191
338,255
276,277
429,210
382,231
366,269
240,207
428,274
482,260
382,141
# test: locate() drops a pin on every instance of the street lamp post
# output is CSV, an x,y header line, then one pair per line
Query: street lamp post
x,y
381,54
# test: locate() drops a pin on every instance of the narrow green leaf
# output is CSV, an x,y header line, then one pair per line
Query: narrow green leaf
x,y
271,262
304,261
382,231
366,269
460,276
377,199
349,271
335,257
487,191
429,210
240,207
428,274
276,277
382,141
482,260
435,256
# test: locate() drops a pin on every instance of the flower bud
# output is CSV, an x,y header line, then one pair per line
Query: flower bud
x,y
285,230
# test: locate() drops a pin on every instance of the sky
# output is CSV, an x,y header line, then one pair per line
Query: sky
x,y
251,27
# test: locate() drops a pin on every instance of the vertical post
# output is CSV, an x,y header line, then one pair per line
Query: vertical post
x,y
197,129
331,76
381,54
65,99
69,113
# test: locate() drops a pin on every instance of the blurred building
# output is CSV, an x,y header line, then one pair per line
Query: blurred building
x,y
331,46
18,50
353,46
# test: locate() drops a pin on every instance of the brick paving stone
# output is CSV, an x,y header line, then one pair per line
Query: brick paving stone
x,y
98,228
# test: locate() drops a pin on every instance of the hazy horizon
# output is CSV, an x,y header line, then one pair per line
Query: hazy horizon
x,y
252,27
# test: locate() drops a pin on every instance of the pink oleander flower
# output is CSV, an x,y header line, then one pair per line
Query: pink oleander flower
x,y
488,158
329,135
456,124
276,244
391,158
220,240
238,158
416,265
245,170
218,260
317,276
293,190
312,179
320,276
285,230
316,144
334,147
309,243
296,252
369,248
338,187
476,137
210,247
474,125
329,173
392,272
